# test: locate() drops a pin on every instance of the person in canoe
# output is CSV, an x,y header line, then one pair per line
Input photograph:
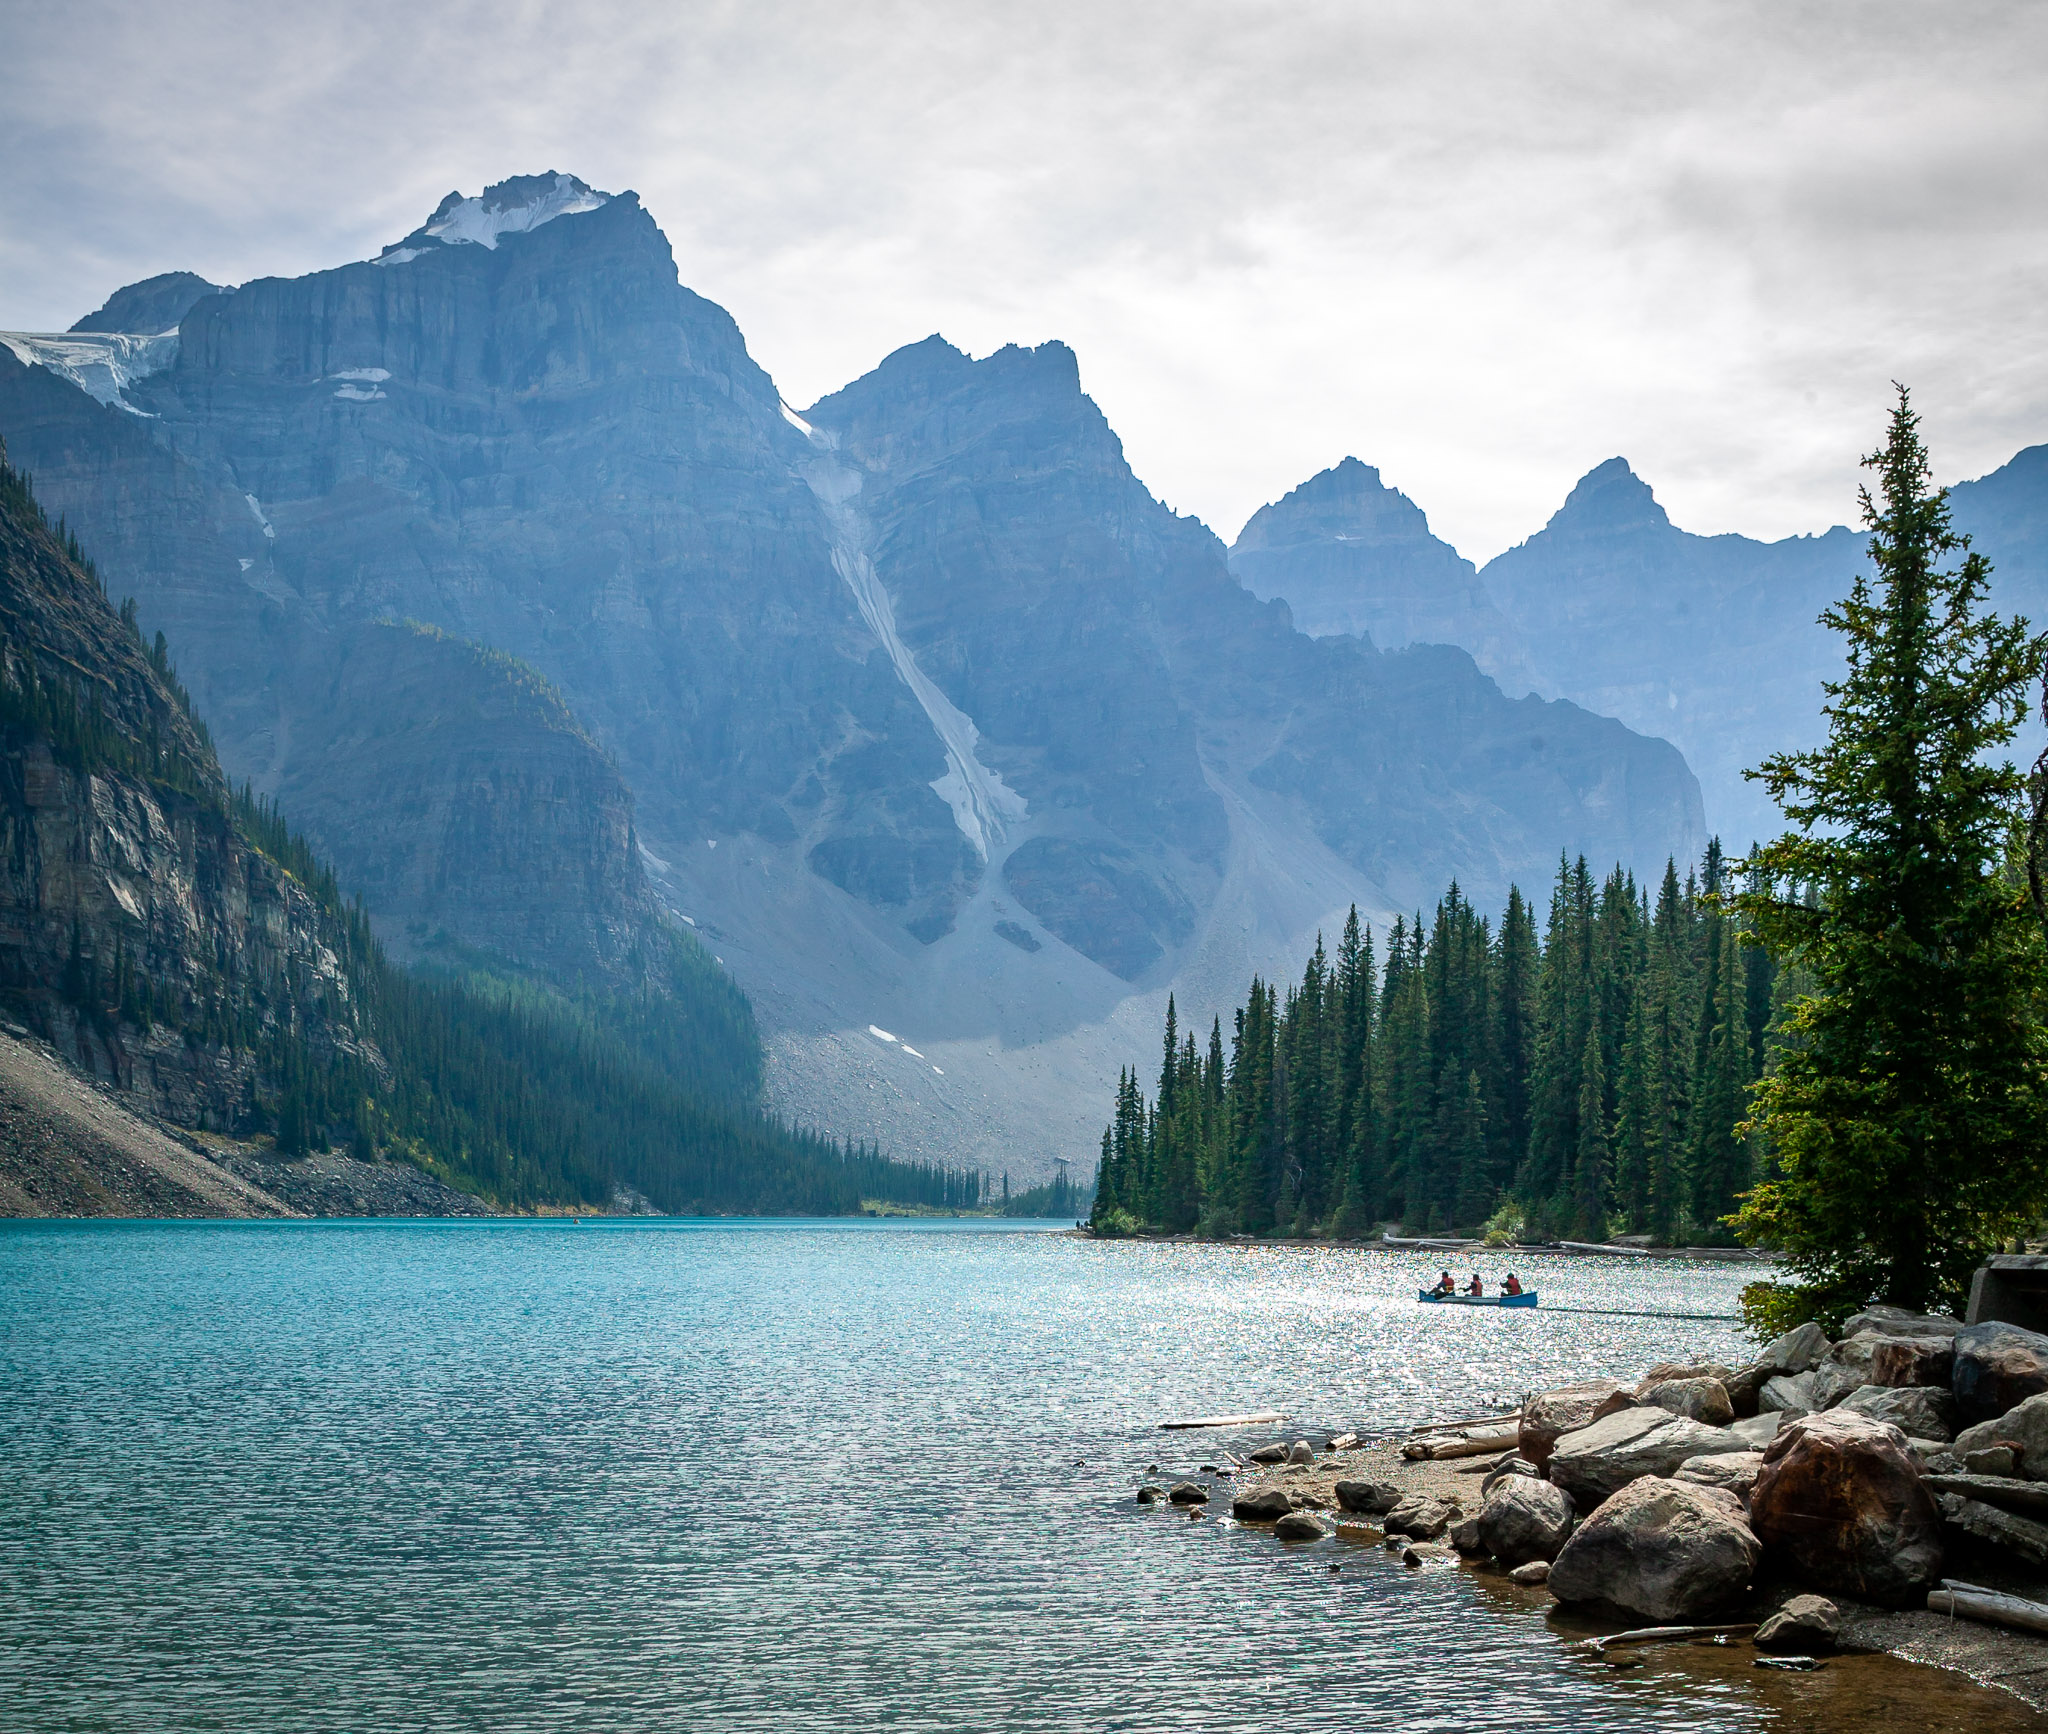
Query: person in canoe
x,y
1511,1284
1475,1286
1446,1284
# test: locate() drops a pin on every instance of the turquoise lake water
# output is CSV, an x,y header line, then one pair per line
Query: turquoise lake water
x,y
751,1476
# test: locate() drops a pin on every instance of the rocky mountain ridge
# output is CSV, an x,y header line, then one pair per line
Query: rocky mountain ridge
x,y
1712,641
934,719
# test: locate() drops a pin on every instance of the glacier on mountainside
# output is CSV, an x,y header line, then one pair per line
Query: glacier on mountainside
x,y
102,364
983,804
483,219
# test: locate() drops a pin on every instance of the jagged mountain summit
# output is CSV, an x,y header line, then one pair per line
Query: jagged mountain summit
x,y
1712,641
959,746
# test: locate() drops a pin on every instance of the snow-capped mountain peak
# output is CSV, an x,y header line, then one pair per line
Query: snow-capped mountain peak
x,y
512,207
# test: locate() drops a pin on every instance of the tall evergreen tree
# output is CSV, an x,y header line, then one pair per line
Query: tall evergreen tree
x,y
1906,1114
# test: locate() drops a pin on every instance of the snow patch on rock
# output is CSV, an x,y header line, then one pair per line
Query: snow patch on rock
x,y
511,208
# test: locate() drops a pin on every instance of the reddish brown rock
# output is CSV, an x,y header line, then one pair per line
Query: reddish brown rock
x,y
1841,1499
1549,1415
1907,1361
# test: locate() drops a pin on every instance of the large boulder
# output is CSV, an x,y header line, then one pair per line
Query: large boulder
x,y
1596,1462
1844,1368
1804,1623
1734,1474
1913,1361
1997,1367
1797,1351
1549,1415
1369,1497
1792,1391
1701,1399
1759,1430
1746,1387
1890,1321
1262,1507
1524,1519
1665,1371
1664,1550
1918,1411
1841,1497
1419,1516
2024,1427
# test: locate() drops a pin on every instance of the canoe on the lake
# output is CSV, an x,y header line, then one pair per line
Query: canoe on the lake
x,y
1527,1298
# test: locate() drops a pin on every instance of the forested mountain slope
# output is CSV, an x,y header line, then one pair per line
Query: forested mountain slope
x,y
178,942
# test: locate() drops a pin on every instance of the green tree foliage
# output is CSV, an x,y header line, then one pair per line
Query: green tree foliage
x,y
1905,1108
1477,1066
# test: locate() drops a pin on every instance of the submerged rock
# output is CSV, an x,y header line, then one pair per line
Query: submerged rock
x,y
1549,1415
1666,1550
1264,1507
1535,1572
1525,1519
1841,1497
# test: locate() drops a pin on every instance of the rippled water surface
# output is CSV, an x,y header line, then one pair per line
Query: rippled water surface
x,y
512,1476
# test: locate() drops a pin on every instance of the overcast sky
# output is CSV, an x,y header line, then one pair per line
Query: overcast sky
x,y
1482,246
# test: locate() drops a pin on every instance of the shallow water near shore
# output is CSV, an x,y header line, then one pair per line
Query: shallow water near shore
x,y
746,1475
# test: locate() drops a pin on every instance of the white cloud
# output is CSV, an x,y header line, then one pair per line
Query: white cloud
x,y
1481,246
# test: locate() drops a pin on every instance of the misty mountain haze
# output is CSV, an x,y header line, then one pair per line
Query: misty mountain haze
x,y
1713,642
934,720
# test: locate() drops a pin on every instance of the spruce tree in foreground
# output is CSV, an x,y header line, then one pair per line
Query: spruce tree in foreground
x,y
1905,1116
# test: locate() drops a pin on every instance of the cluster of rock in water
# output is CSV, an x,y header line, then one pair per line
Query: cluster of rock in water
x,y
1856,1468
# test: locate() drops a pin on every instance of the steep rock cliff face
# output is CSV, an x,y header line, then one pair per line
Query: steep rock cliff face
x,y
138,931
445,785
452,789
1125,684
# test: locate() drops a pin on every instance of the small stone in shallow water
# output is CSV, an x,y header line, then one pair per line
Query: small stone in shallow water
x,y
1790,1664
1151,1495
1535,1572
1301,1526
1409,1557
1189,1493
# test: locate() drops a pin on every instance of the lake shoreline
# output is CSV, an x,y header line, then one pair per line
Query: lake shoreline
x,y
1996,1658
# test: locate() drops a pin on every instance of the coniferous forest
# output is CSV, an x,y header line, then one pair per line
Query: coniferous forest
x,y
1576,1082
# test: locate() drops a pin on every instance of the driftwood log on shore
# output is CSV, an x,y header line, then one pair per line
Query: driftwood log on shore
x,y
1477,1445
1990,1607
1667,1635
1253,1420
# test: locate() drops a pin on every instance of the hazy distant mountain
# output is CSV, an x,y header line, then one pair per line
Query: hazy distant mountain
x,y
1712,641
960,748
1349,554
